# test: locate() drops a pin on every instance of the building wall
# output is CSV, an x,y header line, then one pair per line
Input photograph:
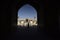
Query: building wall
x,y
47,16
19,22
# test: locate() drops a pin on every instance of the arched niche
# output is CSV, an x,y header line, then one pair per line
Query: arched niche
x,y
37,5
29,12
34,6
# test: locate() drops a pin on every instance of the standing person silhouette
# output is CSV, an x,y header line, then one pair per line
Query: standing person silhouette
x,y
27,22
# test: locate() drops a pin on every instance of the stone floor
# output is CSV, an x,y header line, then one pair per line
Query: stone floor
x,y
28,34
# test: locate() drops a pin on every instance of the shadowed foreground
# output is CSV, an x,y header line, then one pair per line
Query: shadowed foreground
x,y
31,33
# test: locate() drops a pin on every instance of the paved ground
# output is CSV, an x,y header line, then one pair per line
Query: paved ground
x,y
29,34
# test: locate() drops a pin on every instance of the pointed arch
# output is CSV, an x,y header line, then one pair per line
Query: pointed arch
x,y
29,12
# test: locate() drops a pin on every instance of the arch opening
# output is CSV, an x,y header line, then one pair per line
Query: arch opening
x,y
27,16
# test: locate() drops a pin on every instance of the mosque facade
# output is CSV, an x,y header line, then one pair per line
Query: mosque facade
x,y
25,22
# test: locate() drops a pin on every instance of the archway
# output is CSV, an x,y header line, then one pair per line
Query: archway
x,y
36,5
27,16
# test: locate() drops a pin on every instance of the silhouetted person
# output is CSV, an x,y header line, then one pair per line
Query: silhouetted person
x,y
28,23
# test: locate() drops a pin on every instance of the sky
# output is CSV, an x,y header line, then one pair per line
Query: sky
x,y
27,11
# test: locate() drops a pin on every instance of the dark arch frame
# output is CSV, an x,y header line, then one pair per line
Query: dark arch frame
x,y
33,4
36,4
